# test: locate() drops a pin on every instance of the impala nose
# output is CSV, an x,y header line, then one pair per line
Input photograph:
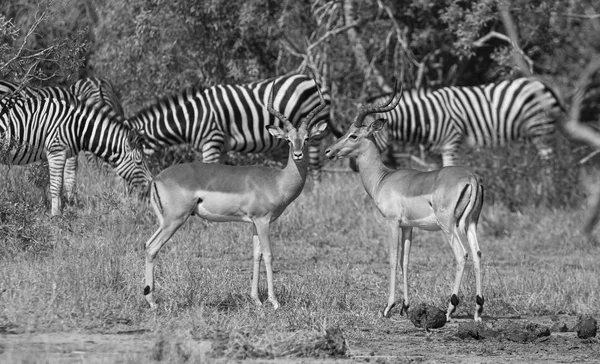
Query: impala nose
x,y
298,155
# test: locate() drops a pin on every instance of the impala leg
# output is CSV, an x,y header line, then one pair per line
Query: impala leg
x,y
256,270
393,256
153,245
472,238
460,254
70,179
262,227
406,242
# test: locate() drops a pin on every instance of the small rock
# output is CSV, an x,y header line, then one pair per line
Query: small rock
x,y
475,330
525,333
427,317
538,330
559,327
586,327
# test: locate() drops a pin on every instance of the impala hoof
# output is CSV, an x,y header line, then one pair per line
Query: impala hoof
x,y
387,311
275,304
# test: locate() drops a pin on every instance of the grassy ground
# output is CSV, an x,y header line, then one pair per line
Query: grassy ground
x,y
84,272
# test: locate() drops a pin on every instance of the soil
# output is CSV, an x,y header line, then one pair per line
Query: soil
x,y
549,339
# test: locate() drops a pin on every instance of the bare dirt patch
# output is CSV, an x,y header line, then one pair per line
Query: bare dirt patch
x,y
550,339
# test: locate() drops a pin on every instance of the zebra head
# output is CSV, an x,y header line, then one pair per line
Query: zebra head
x,y
297,137
130,163
351,144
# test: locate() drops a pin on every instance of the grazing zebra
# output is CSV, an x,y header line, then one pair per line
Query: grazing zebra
x,y
88,90
485,116
232,117
96,90
54,129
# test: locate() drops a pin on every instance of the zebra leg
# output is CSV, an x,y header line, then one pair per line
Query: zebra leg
x,y
212,151
56,165
70,180
314,160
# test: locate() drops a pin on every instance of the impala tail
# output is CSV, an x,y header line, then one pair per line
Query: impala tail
x,y
469,204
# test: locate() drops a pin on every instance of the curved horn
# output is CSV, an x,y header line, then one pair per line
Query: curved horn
x,y
276,113
371,109
316,110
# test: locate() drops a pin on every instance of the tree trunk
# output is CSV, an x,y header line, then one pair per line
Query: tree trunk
x,y
360,54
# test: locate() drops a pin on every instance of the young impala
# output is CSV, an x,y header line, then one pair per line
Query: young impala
x,y
222,193
449,199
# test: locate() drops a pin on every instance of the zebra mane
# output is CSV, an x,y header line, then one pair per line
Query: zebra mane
x,y
169,98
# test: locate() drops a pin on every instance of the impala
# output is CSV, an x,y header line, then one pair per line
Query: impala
x,y
448,199
221,193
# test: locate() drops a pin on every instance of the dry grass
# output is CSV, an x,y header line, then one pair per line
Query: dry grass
x,y
85,271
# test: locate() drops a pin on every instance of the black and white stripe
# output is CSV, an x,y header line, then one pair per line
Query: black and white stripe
x,y
486,116
97,90
217,119
56,129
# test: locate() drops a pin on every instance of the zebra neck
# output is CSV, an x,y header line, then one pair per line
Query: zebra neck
x,y
370,166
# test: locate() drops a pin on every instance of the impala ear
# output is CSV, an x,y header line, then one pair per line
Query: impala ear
x,y
377,125
276,131
317,129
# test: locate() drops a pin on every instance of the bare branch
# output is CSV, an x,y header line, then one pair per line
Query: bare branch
x,y
360,54
491,35
518,54
581,16
574,127
331,33
30,31
410,55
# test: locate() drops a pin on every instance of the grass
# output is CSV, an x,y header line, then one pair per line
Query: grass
x,y
84,271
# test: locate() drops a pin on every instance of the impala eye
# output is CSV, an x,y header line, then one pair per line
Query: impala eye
x,y
353,136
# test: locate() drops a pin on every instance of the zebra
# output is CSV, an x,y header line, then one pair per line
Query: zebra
x,y
97,90
232,117
87,90
54,129
489,115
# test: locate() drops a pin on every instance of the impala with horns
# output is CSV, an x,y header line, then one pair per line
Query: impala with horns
x,y
221,193
449,199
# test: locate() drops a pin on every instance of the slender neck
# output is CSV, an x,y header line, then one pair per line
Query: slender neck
x,y
370,166
293,176
100,132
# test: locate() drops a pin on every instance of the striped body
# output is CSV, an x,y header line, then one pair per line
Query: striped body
x,y
54,129
231,117
97,90
87,90
486,116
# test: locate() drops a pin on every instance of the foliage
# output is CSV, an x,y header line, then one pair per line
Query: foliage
x,y
42,43
150,48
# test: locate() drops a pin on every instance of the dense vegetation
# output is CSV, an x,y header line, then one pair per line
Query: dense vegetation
x,y
149,48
